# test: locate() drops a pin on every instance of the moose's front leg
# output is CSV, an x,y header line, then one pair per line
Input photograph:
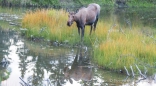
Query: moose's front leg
x,y
82,32
78,30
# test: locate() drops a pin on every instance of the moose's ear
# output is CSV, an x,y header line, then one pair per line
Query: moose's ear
x,y
73,16
76,11
67,10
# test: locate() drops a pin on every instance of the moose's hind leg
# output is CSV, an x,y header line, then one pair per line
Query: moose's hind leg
x,y
95,24
91,29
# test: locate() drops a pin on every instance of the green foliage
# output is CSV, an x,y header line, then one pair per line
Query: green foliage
x,y
46,2
15,2
142,3
130,3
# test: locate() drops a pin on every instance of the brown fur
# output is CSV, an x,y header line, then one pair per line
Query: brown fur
x,y
85,16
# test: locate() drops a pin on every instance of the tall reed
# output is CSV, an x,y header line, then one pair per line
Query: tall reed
x,y
124,47
49,24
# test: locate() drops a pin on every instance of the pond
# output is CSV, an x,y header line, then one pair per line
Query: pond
x,y
29,63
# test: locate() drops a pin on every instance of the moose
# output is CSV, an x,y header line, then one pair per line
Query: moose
x,y
85,16
80,69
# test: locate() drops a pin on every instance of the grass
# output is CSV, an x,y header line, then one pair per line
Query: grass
x,y
125,47
126,50
114,48
49,24
141,3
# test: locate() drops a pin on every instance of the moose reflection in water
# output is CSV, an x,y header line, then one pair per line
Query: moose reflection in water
x,y
80,69
85,16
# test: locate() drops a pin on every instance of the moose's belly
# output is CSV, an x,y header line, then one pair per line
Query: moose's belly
x,y
90,22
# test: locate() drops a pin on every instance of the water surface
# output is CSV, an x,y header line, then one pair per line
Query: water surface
x,y
29,63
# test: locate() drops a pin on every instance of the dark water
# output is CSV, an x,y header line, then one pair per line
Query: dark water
x,y
28,63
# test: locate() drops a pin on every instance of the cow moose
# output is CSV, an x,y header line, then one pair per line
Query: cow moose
x,y
85,16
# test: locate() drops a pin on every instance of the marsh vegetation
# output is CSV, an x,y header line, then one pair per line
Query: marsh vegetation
x,y
115,46
124,42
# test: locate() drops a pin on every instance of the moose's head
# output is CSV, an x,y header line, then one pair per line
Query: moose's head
x,y
71,17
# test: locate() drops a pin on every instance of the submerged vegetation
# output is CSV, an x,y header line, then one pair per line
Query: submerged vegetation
x,y
114,48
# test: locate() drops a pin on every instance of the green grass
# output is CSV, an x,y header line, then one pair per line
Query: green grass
x,y
125,50
113,47
141,3
49,24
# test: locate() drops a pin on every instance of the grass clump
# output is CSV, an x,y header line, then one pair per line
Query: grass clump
x,y
48,24
125,48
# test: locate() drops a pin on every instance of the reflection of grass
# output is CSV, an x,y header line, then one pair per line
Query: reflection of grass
x,y
113,48
37,49
4,24
4,74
